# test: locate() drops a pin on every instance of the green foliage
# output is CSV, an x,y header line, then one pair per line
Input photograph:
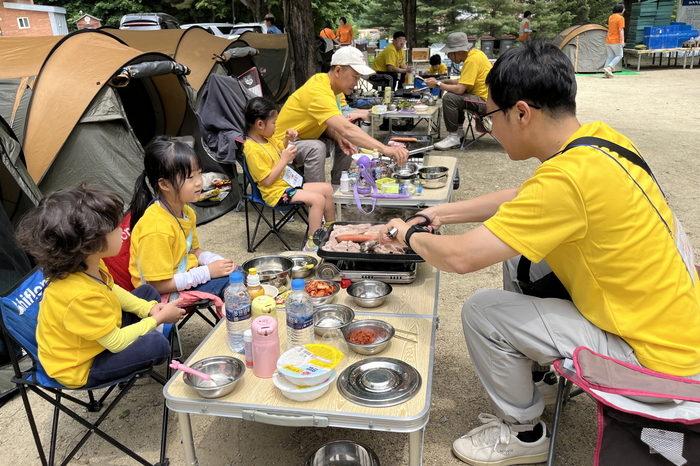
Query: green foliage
x,y
332,10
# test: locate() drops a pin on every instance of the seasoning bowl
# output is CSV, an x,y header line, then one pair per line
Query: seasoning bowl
x,y
433,177
331,317
302,393
343,453
320,301
270,291
369,293
273,270
304,265
383,332
420,107
225,372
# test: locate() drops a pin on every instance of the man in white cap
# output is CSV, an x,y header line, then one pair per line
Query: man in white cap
x,y
314,112
471,85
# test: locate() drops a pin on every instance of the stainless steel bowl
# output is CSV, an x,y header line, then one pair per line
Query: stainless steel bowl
x,y
304,265
225,372
433,177
325,299
383,331
273,270
331,317
369,293
343,453
407,171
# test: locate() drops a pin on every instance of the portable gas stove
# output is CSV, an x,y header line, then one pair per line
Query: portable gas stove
x,y
388,272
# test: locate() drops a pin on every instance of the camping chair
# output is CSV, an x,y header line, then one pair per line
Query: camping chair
x,y
644,417
19,310
474,124
275,225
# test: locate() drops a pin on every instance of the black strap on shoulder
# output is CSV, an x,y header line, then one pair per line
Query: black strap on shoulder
x,y
624,152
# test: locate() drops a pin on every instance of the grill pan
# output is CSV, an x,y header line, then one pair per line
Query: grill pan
x,y
410,256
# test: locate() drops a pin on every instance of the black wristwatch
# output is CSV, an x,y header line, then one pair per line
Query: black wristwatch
x,y
411,230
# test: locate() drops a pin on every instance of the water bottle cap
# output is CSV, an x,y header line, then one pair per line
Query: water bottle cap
x,y
298,284
235,277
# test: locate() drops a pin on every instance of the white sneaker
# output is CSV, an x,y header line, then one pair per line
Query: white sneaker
x,y
608,70
548,387
496,444
450,142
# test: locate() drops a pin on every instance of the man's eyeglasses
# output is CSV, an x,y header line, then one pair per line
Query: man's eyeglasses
x,y
487,121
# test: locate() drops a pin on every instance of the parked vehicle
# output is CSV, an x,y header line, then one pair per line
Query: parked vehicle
x,y
146,21
240,28
218,29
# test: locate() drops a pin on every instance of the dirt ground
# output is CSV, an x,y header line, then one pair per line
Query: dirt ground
x,y
657,109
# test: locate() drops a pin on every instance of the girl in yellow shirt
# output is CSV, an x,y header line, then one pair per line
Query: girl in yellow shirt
x,y
90,331
268,159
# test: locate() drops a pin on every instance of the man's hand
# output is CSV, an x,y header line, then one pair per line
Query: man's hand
x,y
399,154
291,134
346,146
358,115
431,82
430,212
398,239
222,268
168,313
409,69
288,154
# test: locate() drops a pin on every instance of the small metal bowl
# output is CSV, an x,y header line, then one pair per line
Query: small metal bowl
x,y
325,299
343,453
407,171
433,177
369,293
304,265
383,331
330,317
225,372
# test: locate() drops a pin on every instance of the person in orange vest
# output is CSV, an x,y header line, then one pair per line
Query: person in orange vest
x,y
327,32
525,27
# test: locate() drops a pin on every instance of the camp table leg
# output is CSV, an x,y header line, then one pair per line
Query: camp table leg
x,y
639,60
415,447
187,440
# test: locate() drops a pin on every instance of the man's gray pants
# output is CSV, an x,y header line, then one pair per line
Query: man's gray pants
x,y
312,153
453,106
506,331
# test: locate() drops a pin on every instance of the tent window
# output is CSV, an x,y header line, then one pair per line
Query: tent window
x,y
138,106
23,22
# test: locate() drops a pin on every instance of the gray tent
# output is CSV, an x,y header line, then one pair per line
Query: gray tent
x,y
585,47
88,120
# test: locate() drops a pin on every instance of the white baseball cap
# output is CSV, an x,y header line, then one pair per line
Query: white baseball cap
x,y
351,56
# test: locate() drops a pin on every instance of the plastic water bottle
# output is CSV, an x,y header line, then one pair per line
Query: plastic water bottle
x,y
300,316
237,301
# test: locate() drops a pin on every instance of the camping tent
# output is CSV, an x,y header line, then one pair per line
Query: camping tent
x,y
272,62
585,47
88,120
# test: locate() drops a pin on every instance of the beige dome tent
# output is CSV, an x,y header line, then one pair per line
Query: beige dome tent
x,y
585,47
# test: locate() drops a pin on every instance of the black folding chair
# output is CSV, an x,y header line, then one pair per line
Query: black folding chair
x,y
474,124
19,310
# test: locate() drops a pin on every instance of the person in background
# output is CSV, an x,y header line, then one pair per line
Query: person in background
x,y
390,64
471,85
327,32
270,23
525,27
345,32
437,66
615,42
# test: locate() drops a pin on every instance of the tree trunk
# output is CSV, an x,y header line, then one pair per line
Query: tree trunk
x,y
257,7
409,9
299,25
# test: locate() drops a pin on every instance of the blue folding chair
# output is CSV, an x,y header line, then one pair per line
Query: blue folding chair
x,y
19,311
255,200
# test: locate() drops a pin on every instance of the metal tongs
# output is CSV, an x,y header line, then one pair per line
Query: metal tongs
x,y
368,246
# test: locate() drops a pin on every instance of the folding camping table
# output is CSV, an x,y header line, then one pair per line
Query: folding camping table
x,y
429,197
410,307
432,116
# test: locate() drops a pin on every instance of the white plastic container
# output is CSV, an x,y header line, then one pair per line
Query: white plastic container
x,y
309,364
302,393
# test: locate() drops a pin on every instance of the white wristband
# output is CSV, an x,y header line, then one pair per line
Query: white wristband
x,y
206,257
192,278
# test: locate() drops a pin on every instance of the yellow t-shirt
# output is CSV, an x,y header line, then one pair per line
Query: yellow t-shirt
x,y
474,71
308,109
158,244
389,56
582,213
261,158
73,314
440,69
345,34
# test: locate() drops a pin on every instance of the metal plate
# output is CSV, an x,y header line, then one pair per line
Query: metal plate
x,y
379,382
410,256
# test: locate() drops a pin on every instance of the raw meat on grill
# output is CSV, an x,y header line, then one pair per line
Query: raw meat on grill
x,y
371,231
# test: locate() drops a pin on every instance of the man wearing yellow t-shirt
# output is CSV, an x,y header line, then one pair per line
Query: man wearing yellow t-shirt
x,y
390,64
594,216
471,86
313,111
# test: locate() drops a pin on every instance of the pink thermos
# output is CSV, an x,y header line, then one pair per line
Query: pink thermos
x,y
266,346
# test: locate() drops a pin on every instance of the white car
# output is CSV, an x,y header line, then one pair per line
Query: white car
x,y
218,29
240,28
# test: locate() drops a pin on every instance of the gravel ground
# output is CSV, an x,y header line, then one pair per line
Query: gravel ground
x,y
656,109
